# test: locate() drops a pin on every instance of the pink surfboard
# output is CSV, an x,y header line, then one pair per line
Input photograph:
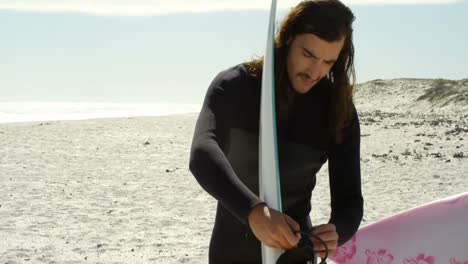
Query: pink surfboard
x,y
434,233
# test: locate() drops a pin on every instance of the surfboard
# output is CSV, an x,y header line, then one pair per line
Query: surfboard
x,y
269,178
433,233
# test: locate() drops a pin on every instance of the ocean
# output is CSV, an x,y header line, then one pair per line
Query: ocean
x,y
11,112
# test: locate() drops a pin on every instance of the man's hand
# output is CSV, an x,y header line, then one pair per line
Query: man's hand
x,y
328,234
273,228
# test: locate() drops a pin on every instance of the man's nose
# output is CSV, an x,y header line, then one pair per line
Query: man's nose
x,y
315,70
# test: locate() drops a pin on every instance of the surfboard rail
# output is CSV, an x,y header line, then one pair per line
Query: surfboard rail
x,y
269,178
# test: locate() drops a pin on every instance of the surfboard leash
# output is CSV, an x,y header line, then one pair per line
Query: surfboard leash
x,y
308,235
304,250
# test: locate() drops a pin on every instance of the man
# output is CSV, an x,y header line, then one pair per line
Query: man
x,y
316,122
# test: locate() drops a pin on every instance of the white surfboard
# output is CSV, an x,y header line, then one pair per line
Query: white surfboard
x,y
269,177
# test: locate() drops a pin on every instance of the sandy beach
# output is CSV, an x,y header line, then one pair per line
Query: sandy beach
x,y
119,190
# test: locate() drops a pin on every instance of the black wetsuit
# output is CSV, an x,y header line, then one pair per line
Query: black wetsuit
x,y
224,160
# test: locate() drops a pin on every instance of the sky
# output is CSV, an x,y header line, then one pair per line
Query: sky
x,y
169,51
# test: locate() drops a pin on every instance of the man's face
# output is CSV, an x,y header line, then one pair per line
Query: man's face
x,y
310,58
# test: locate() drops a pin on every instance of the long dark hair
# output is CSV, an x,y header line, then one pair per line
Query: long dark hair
x,y
330,20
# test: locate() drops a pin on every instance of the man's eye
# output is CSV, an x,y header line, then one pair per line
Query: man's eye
x,y
307,54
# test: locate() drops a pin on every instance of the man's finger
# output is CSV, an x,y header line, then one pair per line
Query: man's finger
x,y
286,244
292,224
326,237
276,245
289,230
320,247
290,237
281,241
323,229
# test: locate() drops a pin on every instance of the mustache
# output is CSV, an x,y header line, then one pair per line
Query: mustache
x,y
305,75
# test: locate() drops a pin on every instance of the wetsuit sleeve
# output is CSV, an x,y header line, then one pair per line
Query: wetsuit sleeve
x,y
208,162
345,182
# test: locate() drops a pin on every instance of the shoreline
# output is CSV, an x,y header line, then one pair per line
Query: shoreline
x,y
175,115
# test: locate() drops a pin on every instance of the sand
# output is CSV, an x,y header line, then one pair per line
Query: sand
x,y
119,190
